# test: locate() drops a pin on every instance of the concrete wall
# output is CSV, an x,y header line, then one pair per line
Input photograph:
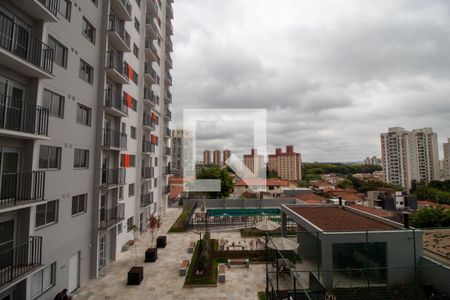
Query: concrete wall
x,y
239,203
435,274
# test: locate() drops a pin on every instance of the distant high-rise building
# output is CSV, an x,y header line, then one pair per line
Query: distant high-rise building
x,y
288,165
206,157
409,155
254,162
372,161
226,155
446,160
217,157
182,160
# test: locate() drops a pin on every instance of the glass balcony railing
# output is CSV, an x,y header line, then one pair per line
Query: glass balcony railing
x,y
113,177
114,139
111,216
115,101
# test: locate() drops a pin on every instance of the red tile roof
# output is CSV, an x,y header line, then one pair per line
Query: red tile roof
x,y
373,211
334,219
310,198
259,181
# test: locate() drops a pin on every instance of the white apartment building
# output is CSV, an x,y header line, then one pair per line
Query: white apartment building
x,y
409,155
182,157
84,136
446,161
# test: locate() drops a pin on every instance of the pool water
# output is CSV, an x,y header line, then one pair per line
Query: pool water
x,y
240,212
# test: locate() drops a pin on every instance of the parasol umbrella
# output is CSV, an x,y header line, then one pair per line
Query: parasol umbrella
x,y
282,243
267,225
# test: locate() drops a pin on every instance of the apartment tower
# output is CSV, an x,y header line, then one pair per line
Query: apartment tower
x,y
206,157
217,157
288,165
446,161
409,155
84,136
226,155
182,161
254,163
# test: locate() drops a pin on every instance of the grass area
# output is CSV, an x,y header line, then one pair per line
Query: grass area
x,y
180,224
209,275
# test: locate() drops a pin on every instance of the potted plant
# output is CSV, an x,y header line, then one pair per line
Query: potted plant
x,y
153,225
161,241
136,273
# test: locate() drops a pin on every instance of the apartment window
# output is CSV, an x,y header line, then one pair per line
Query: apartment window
x,y
43,280
83,115
65,7
59,52
136,24
86,72
54,103
79,204
128,161
135,50
49,157
130,223
119,228
155,182
133,132
133,104
88,30
156,161
131,190
121,193
81,159
47,213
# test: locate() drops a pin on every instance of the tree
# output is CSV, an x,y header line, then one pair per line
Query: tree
x,y
226,182
431,217
271,173
344,184
153,225
303,183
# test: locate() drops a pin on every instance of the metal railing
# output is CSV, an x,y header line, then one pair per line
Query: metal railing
x,y
169,96
150,20
167,132
169,26
112,62
149,45
51,5
169,11
148,69
114,139
115,25
21,259
112,177
18,40
111,216
19,187
146,199
148,147
150,95
154,6
168,114
116,101
169,77
167,151
22,116
127,5
147,172
147,121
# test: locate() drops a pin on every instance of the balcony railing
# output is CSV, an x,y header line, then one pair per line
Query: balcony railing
x,y
169,26
113,177
147,121
21,259
165,190
167,151
150,20
146,199
169,60
16,188
166,170
112,62
151,96
115,101
153,7
114,24
18,40
169,11
148,172
167,132
22,116
149,45
127,5
169,96
51,5
148,147
168,114
114,139
148,69
111,216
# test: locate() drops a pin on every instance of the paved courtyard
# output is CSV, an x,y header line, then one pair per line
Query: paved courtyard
x,y
162,280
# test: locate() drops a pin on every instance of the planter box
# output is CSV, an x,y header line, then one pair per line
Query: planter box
x,y
151,255
135,276
161,242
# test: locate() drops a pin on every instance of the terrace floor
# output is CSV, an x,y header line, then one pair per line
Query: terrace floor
x,y
162,280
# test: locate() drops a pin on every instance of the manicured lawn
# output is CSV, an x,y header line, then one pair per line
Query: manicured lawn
x,y
209,275
180,224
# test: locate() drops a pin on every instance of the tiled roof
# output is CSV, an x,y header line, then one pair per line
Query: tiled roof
x,y
310,198
259,181
335,219
373,211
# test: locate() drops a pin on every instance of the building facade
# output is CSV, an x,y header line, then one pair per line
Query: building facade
x,y
446,161
217,158
226,155
409,155
182,160
372,161
288,165
206,157
254,163
84,137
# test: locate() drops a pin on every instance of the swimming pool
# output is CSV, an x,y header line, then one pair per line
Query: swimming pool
x,y
240,212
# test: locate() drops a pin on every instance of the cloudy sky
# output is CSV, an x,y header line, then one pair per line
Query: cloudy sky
x,y
331,74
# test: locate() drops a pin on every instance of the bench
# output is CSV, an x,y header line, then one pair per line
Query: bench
x,y
221,273
191,247
239,261
183,267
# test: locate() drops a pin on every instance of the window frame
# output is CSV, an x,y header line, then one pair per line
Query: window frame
x,y
130,225
77,158
90,28
131,188
81,109
68,12
79,212
54,95
58,157
133,132
86,70
43,290
46,222
62,46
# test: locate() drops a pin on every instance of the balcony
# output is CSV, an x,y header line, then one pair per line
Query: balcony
x,y
118,37
146,199
169,11
152,30
115,104
169,45
110,217
116,69
19,189
114,140
113,177
147,173
22,52
167,151
150,74
151,52
22,119
148,122
168,97
122,9
150,97
45,10
165,190
167,132
169,62
168,114
169,27
166,170
152,8
168,79
20,260
148,147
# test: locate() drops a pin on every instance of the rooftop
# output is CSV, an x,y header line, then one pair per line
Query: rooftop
x,y
336,219
260,181
373,211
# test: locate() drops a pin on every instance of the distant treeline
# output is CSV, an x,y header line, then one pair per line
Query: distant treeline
x,y
337,168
